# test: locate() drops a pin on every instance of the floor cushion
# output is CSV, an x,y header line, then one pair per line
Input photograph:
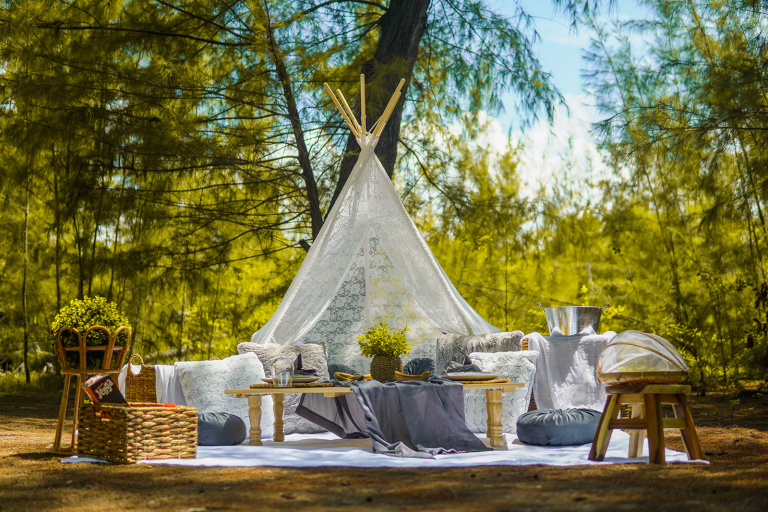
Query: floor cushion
x,y
204,382
313,355
517,367
220,429
455,347
558,427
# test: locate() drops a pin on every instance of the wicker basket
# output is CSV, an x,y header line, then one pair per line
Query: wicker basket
x,y
126,435
140,387
383,368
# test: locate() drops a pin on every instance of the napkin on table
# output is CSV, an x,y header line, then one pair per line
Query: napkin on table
x,y
467,366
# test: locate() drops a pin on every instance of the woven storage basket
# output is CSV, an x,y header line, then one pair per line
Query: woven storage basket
x,y
126,435
140,387
383,368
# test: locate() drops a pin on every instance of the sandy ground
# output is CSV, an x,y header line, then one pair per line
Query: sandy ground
x,y
735,441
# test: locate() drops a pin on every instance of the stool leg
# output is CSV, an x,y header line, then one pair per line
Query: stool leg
x,y
603,433
79,400
654,422
62,413
690,439
637,437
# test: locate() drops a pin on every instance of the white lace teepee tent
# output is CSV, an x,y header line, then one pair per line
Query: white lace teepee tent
x,y
369,263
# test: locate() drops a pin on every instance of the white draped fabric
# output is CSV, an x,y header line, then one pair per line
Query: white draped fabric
x,y
565,371
369,263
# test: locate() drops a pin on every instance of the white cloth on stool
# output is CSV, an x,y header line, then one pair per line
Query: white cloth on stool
x,y
566,374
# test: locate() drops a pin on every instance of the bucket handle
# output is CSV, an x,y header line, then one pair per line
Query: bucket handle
x,y
539,304
605,307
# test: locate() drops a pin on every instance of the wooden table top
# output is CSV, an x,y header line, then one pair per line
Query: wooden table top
x,y
343,390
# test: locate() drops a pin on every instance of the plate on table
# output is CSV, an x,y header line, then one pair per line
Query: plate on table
x,y
471,376
298,380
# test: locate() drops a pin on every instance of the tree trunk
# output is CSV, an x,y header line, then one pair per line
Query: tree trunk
x,y
24,282
402,27
313,197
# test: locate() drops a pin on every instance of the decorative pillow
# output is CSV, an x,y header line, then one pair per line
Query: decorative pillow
x,y
313,355
515,366
204,382
220,429
455,347
558,427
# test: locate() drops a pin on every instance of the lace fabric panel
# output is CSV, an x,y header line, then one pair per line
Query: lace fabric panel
x,y
343,320
393,302
369,252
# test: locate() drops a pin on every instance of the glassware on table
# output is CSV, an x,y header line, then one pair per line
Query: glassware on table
x,y
282,373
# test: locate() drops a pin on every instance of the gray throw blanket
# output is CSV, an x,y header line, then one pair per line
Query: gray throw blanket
x,y
405,419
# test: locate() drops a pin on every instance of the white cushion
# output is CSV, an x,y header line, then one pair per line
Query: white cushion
x,y
313,355
515,366
204,382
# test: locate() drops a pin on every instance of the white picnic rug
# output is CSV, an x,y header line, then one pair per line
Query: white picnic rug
x,y
326,450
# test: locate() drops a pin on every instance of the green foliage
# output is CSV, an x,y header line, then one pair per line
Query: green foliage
x,y
82,315
86,313
379,340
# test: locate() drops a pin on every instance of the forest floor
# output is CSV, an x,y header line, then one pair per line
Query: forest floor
x,y
733,435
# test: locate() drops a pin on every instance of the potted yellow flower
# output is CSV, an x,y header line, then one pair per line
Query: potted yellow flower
x,y
385,347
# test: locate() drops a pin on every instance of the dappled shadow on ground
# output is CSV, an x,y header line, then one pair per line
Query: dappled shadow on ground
x,y
737,479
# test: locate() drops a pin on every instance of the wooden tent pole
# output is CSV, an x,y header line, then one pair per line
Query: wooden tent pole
x,y
341,109
390,108
362,102
349,111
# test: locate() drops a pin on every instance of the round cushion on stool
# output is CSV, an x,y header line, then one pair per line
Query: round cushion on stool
x,y
558,427
219,429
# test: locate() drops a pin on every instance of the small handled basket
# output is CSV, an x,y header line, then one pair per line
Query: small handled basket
x,y
140,387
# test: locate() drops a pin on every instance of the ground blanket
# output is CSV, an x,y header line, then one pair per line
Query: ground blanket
x,y
327,450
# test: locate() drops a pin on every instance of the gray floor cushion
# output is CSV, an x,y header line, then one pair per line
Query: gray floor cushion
x,y
558,427
455,347
220,429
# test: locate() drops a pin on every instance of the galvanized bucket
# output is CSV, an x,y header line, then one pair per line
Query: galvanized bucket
x,y
573,320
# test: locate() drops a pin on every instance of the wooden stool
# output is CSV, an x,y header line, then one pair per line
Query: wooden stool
x,y
646,403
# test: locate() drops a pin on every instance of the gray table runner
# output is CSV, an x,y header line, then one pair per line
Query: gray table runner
x,y
405,419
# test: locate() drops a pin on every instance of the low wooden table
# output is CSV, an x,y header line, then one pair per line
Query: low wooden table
x,y
493,393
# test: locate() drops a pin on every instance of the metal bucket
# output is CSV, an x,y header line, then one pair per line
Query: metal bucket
x,y
573,320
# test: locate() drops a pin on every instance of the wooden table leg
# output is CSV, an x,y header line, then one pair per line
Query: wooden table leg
x,y
62,414
603,432
254,414
493,427
655,425
278,408
637,437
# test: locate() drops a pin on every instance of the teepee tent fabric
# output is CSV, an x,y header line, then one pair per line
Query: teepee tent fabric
x,y
368,264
